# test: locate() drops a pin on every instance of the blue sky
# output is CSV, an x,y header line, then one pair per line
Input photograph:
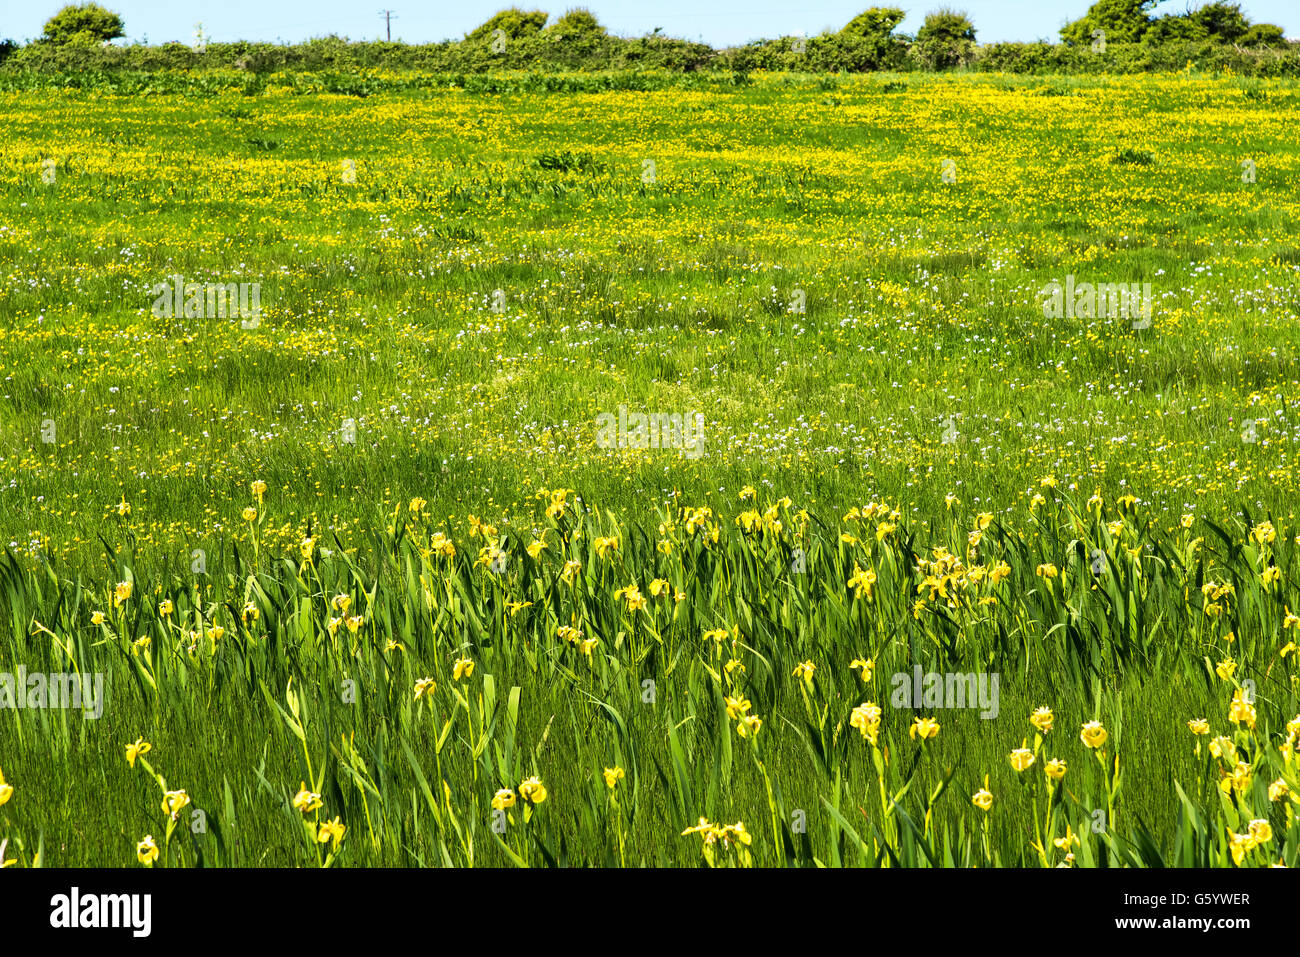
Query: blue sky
x,y
718,22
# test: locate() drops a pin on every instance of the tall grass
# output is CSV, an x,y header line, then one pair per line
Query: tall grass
x,y
279,672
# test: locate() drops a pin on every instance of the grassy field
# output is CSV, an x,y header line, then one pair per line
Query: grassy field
x,y
905,461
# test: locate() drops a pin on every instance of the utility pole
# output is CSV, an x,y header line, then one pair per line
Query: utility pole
x,y
388,16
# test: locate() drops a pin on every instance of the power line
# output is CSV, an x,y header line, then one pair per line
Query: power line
x,y
388,17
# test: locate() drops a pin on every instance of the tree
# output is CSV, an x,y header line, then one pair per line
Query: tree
x,y
872,24
514,23
87,23
1123,21
947,38
868,41
1217,22
1221,21
1173,29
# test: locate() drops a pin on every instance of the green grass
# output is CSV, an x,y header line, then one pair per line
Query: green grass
x,y
922,366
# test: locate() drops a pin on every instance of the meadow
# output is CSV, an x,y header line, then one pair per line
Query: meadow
x,y
366,586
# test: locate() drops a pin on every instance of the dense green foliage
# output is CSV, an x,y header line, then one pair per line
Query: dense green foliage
x,y
85,24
